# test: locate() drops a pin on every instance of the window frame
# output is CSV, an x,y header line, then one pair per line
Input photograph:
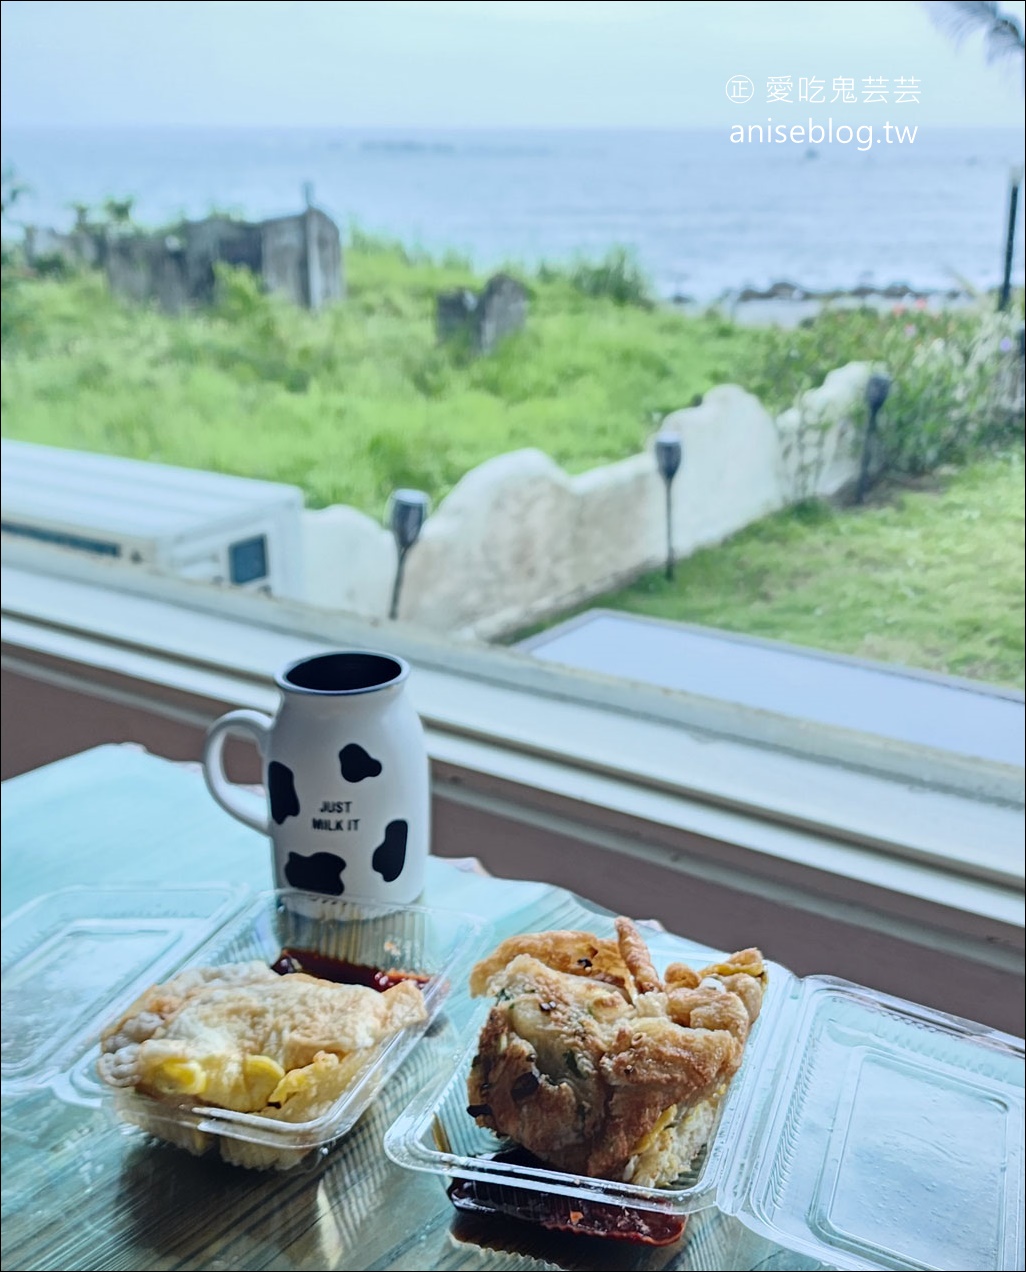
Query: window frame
x,y
569,732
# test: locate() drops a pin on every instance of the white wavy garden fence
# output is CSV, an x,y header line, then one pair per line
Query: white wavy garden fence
x,y
518,538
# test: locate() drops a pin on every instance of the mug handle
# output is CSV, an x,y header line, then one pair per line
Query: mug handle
x,y
253,724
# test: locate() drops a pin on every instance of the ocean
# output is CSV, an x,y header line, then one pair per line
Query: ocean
x,y
704,216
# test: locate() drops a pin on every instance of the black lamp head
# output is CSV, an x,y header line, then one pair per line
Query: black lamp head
x,y
877,388
407,512
668,454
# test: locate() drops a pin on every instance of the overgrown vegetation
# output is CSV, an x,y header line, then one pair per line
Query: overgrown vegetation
x,y
355,401
953,376
617,277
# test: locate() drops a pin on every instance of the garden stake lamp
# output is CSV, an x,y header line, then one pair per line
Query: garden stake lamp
x,y
877,388
407,512
668,454
1014,186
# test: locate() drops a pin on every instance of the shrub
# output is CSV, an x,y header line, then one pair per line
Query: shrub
x,y
617,277
254,334
950,396
951,392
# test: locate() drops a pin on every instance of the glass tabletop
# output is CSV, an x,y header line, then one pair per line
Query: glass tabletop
x,y
82,1191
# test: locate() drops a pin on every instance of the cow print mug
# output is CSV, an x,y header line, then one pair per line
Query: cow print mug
x,y
346,775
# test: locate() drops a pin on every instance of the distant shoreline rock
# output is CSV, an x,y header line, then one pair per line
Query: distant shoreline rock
x,y
786,304
782,289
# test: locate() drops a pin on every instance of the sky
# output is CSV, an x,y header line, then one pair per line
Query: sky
x,y
442,63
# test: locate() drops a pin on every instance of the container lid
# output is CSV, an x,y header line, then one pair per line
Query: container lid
x,y
435,1133
72,959
884,1135
861,1130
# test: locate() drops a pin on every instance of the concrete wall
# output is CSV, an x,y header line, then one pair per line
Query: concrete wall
x,y
177,270
77,248
299,257
349,561
302,258
518,538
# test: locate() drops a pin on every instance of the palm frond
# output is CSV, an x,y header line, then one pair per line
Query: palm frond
x,y
1005,39
961,19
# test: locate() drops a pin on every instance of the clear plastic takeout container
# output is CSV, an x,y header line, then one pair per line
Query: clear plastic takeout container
x,y
860,1129
75,959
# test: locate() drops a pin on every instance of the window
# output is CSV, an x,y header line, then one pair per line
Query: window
x,y
331,367
247,560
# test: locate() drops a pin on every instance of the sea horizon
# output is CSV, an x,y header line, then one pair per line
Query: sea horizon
x,y
702,215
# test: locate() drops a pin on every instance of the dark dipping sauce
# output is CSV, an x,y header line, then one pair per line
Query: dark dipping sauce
x,y
338,970
562,1214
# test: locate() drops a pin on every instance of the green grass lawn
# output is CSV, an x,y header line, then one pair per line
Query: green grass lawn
x,y
928,578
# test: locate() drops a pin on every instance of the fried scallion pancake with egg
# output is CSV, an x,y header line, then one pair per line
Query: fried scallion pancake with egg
x,y
597,1065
